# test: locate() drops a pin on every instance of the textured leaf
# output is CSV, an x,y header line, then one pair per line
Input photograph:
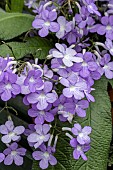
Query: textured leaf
x,y
10,24
17,5
36,46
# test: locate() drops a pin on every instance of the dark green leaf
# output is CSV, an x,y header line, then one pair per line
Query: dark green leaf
x,y
14,24
17,5
37,46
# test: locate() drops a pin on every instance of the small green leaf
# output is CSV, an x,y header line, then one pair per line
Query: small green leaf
x,y
37,46
17,5
14,24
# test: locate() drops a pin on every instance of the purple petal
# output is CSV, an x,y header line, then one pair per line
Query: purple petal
x,y
37,155
21,151
6,95
18,160
43,32
2,156
52,160
43,164
19,130
8,160
3,130
46,128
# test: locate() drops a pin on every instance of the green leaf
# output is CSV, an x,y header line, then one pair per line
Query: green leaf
x,y
37,46
17,5
14,24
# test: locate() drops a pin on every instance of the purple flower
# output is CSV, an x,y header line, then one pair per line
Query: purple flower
x,y
65,26
65,108
106,27
79,149
33,80
8,87
45,23
107,66
87,66
11,133
82,134
80,106
68,55
45,156
41,115
40,135
14,154
43,98
74,88
91,7
2,157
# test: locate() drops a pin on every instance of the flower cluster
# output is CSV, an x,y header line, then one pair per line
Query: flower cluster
x,y
10,136
60,88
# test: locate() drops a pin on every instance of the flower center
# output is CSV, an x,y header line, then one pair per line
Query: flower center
x,y
47,23
8,86
13,153
108,28
67,56
11,134
81,135
46,155
105,67
79,148
60,107
31,80
84,64
42,112
72,88
42,137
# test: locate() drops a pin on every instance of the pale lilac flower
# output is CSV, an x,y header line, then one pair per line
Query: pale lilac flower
x,y
14,154
46,23
65,108
74,88
68,55
40,135
91,7
41,115
82,134
34,80
11,133
65,26
43,98
80,106
79,149
45,156
8,87
107,66
106,27
20,81
87,66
